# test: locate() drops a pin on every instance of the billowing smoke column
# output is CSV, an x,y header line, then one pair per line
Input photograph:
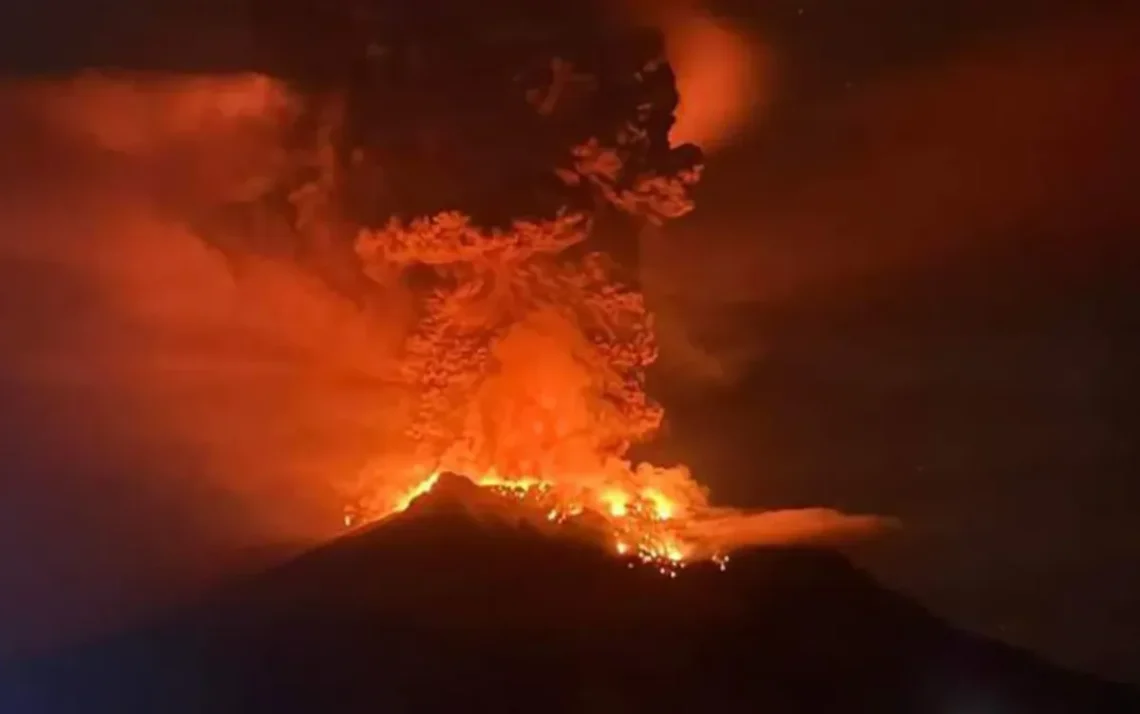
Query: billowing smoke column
x,y
501,170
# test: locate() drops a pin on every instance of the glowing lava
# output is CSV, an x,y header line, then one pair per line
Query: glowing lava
x,y
641,524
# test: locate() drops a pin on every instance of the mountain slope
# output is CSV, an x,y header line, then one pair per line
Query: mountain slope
x,y
460,604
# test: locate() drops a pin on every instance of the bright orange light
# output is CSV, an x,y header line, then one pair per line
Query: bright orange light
x,y
616,502
639,523
527,361
415,492
723,78
662,507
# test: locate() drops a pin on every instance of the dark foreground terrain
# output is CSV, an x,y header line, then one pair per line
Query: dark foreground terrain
x,y
454,606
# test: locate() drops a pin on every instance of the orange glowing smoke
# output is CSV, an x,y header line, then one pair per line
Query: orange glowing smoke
x,y
527,370
527,374
141,114
526,366
723,78
724,74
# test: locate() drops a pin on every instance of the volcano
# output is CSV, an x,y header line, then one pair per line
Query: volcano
x,y
464,602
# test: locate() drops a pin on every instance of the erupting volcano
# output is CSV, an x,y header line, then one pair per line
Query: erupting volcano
x,y
527,371
527,361
480,179
509,214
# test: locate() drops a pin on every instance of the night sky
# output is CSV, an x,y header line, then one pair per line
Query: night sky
x,y
908,289
927,250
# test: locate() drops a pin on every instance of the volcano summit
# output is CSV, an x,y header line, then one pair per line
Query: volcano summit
x,y
464,602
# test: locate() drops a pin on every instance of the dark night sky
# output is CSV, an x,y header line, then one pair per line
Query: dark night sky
x,y
931,235
916,267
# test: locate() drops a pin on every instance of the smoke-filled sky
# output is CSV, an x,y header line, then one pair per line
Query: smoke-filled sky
x,y
161,415
905,290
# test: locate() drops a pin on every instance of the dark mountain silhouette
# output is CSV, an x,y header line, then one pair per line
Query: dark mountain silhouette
x,y
461,604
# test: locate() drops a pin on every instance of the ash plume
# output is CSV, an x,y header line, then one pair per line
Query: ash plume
x,y
174,327
258,306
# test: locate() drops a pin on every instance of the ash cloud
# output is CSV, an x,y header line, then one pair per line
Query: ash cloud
x,y
162,415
